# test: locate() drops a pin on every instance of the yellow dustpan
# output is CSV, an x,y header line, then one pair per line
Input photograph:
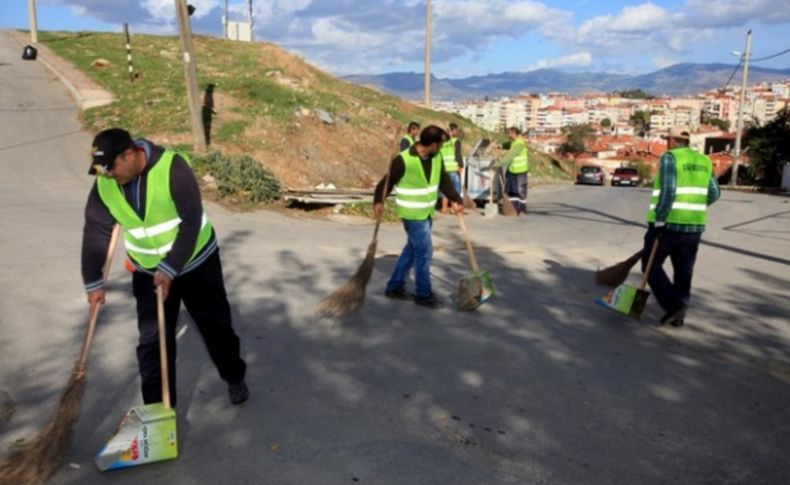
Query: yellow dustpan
x,y
147,433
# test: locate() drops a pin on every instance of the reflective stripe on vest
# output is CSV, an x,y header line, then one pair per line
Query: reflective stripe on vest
x,y
149,240
416,196
448,156
520,163
692,176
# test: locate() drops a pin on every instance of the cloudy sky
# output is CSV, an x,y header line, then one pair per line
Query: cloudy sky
x,y
470,37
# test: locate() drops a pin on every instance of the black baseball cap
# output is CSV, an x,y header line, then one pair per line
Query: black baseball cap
x,y
107,145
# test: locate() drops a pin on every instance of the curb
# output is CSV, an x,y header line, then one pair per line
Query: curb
x,y
85,98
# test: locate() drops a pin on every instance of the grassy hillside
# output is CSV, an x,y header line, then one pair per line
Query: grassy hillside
x,y
261,102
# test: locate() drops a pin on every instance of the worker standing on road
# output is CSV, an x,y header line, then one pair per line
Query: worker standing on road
x,y
410,138
418,175
153,194
517,162
684,188
453,162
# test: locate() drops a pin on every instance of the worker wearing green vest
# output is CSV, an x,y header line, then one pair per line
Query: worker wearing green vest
x,y
516,164
684,187
418,176
410,138
453,162
153,195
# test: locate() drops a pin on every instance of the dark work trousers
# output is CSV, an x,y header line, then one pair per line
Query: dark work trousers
x,y
681,248
517,190
203,292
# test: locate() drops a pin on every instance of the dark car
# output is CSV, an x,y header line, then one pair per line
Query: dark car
x,y
625,176
590,174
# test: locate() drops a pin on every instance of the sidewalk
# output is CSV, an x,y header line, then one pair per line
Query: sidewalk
x,y
85,91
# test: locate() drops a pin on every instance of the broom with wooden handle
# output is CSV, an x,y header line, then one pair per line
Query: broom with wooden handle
x,y
43,456
507,206
349,298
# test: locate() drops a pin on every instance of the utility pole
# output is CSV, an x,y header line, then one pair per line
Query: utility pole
x,y
252,23
193,96
739,123
428,54
31,13
225,21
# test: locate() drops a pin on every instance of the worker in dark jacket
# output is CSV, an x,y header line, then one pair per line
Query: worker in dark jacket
x,y
419,176
153,194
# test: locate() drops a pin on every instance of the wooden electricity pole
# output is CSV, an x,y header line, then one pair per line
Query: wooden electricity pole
x,y
428,54
193,95
739,121
31,12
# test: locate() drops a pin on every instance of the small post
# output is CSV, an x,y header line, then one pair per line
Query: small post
x,y
128,51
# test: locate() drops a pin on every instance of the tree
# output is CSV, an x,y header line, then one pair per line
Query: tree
x,y
633,94
640,120
606,123
719,123
576,137
769,147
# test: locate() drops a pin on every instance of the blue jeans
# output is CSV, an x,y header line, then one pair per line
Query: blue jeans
x,y
681,248
418,253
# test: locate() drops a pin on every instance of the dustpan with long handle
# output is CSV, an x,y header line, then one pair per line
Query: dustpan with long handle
x,y
475,288
631,300
147,433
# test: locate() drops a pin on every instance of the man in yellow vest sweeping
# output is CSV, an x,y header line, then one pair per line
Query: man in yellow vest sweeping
x,y
153,194
684,187
453,162
516,162
418,175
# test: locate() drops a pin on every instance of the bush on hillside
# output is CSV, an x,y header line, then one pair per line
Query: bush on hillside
x,y
241,177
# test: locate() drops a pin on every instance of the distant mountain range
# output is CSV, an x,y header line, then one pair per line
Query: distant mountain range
x,y
678,79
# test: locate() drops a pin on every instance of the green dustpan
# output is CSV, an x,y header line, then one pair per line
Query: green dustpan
x,y
148,433
475,288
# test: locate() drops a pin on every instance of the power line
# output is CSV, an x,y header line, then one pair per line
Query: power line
x,y
771,56
740,63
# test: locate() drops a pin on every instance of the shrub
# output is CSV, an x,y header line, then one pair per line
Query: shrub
x,y
240,177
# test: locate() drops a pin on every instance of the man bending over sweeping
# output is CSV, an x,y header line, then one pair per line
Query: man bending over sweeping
x,y
419,175
153,194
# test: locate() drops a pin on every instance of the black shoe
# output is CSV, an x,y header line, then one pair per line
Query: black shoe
x,y
238,392
399,294
429,301
675,317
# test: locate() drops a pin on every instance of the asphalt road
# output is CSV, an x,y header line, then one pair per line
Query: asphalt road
x,y
538,386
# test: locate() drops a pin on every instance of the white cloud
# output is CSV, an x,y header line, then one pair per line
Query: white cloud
x,y
731,13
579,59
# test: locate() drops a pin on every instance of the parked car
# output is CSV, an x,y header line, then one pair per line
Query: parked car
x,y
625,176
590,174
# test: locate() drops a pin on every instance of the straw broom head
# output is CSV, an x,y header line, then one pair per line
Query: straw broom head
x,y
349,298
39,460
615,275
